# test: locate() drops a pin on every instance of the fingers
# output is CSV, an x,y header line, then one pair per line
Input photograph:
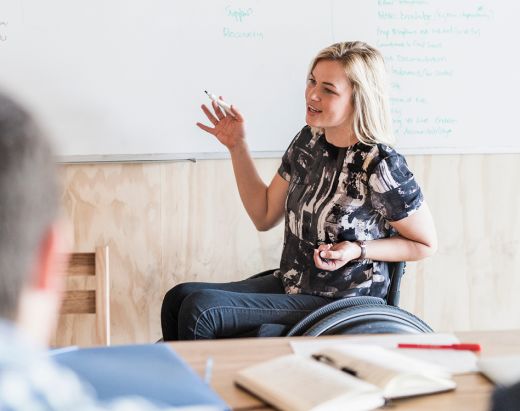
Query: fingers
x,y
209,114
322,249
319,260
323,263
332,255
328,259
236,113
233,111
218,111
209,130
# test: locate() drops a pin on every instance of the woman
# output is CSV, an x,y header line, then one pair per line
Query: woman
x,y
349,200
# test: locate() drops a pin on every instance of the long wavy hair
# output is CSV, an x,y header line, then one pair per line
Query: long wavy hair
x,y
365,68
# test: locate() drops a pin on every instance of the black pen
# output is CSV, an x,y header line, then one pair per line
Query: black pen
x,y
327,360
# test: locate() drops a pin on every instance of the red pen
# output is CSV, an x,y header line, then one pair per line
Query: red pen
x,y
461,346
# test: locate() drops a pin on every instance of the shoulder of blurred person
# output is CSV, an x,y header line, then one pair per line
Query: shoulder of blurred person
x,y
30,380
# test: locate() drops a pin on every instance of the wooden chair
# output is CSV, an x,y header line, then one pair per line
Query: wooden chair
x,y
93,296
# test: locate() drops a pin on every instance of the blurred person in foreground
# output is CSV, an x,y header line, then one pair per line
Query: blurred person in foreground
x,y
31,264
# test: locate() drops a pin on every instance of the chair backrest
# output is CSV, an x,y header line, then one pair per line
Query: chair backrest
x,y
94,298
396,274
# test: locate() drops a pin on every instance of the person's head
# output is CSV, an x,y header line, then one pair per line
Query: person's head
x,y
28,231
347,89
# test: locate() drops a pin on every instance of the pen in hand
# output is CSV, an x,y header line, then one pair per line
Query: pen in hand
x,y
222,104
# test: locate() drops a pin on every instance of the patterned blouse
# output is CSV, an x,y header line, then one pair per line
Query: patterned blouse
x,y
338,194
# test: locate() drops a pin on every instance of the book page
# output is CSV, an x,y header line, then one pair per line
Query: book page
x,y
298,383
396,375
406,385
359,362
456,362
381,357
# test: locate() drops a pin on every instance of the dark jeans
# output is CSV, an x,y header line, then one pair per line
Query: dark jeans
x,y
193,311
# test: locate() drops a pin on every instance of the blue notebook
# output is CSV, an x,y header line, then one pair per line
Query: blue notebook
x,y
152,371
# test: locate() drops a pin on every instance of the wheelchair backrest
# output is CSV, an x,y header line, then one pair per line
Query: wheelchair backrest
x,y
396,273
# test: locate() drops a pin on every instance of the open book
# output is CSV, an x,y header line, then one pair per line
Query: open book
x,y
353,377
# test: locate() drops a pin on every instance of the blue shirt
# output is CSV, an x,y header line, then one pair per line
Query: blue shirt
x,y
31,381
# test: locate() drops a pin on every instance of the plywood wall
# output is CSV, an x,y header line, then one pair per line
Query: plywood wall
x,y
171,222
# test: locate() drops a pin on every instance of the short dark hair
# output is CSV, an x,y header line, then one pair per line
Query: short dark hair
x,y
28,199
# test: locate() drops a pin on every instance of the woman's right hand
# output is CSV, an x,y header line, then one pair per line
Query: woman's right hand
x,y
228,129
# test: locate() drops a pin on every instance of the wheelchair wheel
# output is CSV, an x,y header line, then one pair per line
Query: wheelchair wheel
x,y
329,309
369,319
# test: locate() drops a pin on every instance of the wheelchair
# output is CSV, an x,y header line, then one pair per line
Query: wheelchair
x,y
354,315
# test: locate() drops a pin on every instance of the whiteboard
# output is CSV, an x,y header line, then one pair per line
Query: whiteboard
x,y
116,80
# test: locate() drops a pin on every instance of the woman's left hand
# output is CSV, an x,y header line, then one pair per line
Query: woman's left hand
x,y
330,257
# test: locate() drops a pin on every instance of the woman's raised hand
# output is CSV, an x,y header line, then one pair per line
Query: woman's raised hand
x,y
228,129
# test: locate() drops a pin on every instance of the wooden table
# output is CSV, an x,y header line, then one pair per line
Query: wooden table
x,y
229,356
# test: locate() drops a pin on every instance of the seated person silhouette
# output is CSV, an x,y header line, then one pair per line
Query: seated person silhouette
x,y
30,271
350,204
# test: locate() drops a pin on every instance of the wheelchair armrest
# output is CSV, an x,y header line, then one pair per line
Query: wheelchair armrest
x,y
263,273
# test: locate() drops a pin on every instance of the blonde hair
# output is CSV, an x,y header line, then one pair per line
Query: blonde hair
x,y
365,68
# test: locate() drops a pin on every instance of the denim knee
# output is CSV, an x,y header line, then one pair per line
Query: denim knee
x,y
194,317
174,297
170,309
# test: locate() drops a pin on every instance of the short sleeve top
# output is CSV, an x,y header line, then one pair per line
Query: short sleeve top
x,y
341,194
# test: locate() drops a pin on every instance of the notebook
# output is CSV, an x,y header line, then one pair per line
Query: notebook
x,y
352,377
153,371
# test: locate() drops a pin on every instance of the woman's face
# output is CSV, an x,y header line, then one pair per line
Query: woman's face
x,y
329,97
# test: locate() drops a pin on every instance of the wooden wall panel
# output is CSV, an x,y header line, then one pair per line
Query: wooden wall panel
x,y
119,205
171,222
